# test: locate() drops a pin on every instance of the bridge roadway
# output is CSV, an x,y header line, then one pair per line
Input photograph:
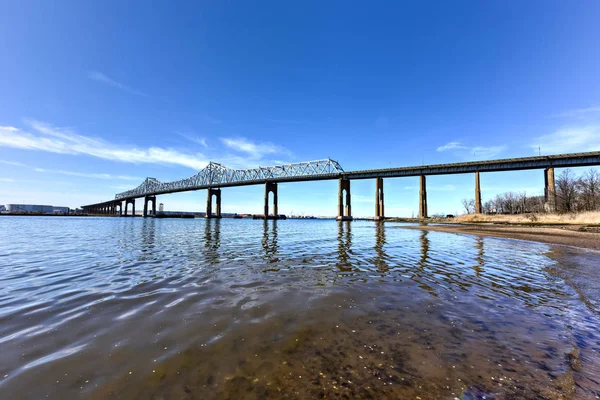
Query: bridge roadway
x,y
215,176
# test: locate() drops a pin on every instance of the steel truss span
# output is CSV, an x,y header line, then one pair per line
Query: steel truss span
x,y
217,175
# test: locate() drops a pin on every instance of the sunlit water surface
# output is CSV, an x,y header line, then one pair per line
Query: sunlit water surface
x,y
144,308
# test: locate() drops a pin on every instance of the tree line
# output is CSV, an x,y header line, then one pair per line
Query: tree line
x,y
573,194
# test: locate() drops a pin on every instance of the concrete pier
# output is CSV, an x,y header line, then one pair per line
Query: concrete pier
x,y
127,203
344,210
217,193
549,190
478,206
271,187
379,211
149,199
423,197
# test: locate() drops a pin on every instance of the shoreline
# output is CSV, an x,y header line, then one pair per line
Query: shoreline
x,y
573,235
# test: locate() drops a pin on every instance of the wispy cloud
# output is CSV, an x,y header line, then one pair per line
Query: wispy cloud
x,y
451,146
254,150
569,140
195,139
579,112
89,175
70,173
52,139
472,151
15,163
100,77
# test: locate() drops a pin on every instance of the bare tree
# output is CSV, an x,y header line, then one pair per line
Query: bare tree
x,y
469,205
572,194
566,192
489,207
589,190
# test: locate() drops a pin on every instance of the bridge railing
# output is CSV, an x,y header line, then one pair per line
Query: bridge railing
x,y
215,174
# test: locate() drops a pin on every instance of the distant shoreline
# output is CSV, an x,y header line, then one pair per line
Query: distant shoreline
x,y
45,215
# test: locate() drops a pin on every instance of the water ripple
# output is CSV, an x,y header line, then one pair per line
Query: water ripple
x,y
101,300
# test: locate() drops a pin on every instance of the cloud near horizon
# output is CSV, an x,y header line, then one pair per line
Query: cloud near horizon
x,y
89,175
195,139
579,113
253,150
46,137
476,151
52,139
569,140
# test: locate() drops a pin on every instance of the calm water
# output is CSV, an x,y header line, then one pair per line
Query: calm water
x,y
134,308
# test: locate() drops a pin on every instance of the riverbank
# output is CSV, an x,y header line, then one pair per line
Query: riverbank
x,y
582,236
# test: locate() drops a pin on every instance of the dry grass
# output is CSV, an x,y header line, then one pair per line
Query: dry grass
x,y
585,218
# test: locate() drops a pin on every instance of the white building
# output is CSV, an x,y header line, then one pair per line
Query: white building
x,y
29,208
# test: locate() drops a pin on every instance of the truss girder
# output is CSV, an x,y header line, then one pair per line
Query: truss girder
x,y
215,175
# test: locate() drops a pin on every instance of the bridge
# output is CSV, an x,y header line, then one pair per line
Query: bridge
x,y
215,176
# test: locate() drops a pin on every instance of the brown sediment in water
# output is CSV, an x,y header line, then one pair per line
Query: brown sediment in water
x,y
574,235
361,310
349,347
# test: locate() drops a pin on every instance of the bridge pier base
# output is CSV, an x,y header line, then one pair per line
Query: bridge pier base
x,y
423,197
478,207
549,190
127,203
271,187
149,199
217,194
344,210
379,213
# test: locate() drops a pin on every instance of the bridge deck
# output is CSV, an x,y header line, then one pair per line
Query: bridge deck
x,y
329,169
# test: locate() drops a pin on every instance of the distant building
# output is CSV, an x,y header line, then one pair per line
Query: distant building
x,y
161,207
61,210
29,208
2,208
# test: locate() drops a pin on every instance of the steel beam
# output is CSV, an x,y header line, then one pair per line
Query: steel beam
x,y
217,175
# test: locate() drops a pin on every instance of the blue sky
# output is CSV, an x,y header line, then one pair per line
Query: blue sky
x,y
95,96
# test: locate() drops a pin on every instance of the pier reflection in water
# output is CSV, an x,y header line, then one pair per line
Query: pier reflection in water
x,y
134,308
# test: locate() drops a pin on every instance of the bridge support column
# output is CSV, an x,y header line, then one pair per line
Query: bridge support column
x,y
149,199
379,213
271,187
127,203
478,207
423,197
217,194
549,190
344,210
